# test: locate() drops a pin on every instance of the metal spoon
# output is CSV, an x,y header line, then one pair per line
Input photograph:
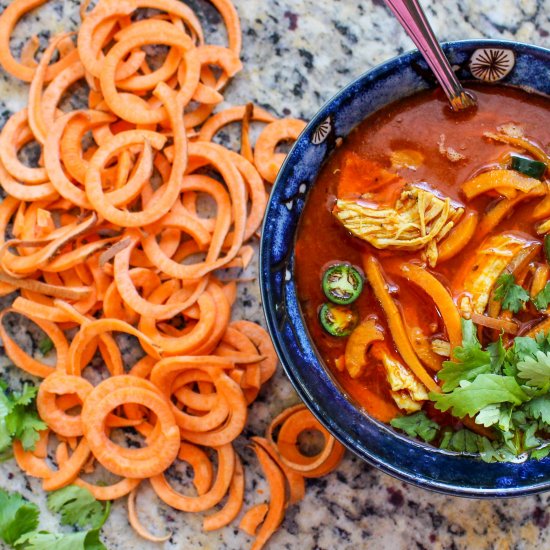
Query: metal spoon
x,y
413,20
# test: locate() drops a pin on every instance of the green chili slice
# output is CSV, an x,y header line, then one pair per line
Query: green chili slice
x,y
337,320
529,167
342,284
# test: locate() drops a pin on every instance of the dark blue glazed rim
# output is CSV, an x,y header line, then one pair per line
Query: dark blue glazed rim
x,y
508,63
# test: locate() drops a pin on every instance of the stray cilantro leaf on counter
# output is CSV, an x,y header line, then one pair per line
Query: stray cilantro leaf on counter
x,y
19,419
45,345
19,521
417,425
77,506
17,517
83,540
512,296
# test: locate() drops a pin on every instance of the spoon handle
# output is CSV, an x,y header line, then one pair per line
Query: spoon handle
x,y
414,21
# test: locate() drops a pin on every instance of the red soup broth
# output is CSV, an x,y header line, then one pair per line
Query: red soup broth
x,y
421,123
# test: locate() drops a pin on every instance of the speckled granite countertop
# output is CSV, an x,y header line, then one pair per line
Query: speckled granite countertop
x,y
297,54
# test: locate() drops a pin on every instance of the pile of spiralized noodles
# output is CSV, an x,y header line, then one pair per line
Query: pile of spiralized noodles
x,y
105,235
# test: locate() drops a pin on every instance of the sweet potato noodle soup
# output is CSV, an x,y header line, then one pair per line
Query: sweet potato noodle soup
x,y
422,268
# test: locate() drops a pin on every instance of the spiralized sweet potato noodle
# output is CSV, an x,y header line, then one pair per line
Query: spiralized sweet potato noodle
x,y
105,237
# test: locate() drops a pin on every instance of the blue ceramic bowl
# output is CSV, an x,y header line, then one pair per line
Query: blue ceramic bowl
x,y
509,63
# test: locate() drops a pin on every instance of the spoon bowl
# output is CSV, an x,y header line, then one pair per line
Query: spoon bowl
x,y
413,19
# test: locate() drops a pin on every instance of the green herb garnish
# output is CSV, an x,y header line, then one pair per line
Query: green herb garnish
x,y
77,506
45,345
19,521
471,360
486,389
506,390
542,299
512,296
17,517
19,419
417,425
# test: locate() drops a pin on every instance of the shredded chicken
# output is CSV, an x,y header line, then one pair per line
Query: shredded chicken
x,y
441,347
452,154
489,262
407,392
511,129
419,220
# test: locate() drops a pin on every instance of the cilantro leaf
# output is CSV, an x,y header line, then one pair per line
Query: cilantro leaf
x,y
542,299
494,452
77,506
470,397
497,353
5,404
539,408
417,425
470,359
503,285
45,345
17,516
469,334
530,441
540,453
5,441
5,435
26,397
512,296
24,425
19,521
536,370
93,542
474,364
19,419
42,540
525,346
461,441
488,416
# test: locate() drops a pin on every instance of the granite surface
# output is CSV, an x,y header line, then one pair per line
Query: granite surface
x,y
297,53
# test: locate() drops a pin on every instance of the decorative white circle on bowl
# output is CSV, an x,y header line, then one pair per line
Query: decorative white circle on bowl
x,y
321,132
491,64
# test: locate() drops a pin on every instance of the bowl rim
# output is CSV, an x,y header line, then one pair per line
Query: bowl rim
x,y
278,340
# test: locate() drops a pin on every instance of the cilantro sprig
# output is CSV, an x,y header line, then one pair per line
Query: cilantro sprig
x,y
417,425
17,517
506,390
511,295
472,360
77,506
19,520
542,299
18,419
486,389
